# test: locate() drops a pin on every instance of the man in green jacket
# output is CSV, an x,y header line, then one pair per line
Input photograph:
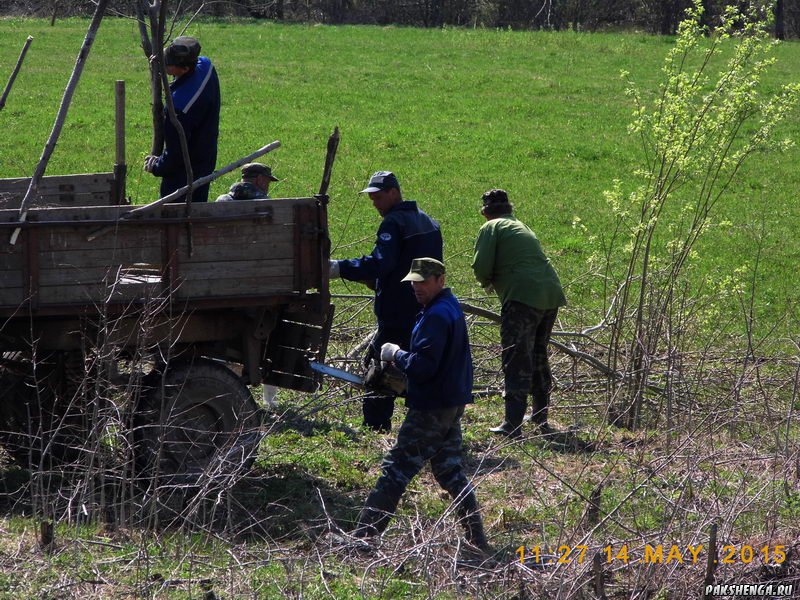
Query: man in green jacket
x,y
509,259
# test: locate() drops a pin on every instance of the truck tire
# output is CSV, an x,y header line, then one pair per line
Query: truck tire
x,y
195,418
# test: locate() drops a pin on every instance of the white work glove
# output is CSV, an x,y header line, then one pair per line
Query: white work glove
x,y
150,163
334,269
388,350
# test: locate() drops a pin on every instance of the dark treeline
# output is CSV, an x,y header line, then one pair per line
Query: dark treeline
x,y
654,16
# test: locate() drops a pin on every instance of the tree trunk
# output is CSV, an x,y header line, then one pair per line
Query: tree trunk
x,y
780,20
147,13
668,17
710,13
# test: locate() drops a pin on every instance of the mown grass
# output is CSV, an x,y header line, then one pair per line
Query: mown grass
x,y
453,112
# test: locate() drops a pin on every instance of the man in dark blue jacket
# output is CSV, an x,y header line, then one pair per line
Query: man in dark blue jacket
x,y
196,97
405,233
439,371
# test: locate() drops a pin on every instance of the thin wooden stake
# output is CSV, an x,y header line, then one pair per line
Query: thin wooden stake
x,y
599,581
593,512
711,564
330,156
15,71
50,146
145,11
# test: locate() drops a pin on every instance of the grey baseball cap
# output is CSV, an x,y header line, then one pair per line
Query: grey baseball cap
x,y
422,268
380,181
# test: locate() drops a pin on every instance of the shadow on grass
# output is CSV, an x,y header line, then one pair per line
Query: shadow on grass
x,y
483,461
286,502
291,419
268,504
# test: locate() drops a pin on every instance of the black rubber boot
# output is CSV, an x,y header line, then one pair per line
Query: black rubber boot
x,y
538,417
476,553
538,414
376,514
512,423
470,518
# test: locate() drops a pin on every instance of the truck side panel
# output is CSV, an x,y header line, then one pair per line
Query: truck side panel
x,y
247,248
89,189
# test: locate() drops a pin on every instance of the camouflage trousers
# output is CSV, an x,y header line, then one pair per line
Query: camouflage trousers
x,y
426,435
525,333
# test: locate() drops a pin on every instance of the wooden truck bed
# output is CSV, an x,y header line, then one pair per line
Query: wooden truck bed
x,y
227,281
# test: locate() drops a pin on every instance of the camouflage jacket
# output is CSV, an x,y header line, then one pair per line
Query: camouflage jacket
x,y
243,190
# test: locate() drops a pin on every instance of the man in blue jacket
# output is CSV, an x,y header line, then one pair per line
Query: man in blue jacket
x,y
439,371
405,233
196,97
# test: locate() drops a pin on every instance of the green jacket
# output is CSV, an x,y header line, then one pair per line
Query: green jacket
x,y
509,258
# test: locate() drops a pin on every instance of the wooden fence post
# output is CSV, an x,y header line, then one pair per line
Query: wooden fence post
x,y
120,165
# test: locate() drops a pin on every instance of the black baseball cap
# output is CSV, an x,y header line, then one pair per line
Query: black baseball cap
x,y
494,197
381,181
182,52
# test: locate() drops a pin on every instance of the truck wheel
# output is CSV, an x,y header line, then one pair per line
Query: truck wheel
x,y
195,418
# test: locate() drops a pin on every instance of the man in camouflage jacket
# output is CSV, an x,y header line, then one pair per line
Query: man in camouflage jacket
x,y
254,185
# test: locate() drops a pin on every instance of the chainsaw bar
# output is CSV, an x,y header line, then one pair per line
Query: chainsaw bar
x,y
337,373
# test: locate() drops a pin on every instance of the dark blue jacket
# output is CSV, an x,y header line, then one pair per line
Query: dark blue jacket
x,y
197,100
439,365
404,234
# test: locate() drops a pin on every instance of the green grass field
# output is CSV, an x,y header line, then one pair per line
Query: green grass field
x,y
453,113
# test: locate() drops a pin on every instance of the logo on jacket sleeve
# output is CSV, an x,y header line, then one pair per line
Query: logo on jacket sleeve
x,y
385,236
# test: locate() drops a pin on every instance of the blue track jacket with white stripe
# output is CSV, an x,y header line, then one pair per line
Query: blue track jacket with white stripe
x,y
197,101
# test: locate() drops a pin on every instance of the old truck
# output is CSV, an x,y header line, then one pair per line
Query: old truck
x,y
167,317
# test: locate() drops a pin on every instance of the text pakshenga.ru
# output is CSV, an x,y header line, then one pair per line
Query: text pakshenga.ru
x,y
768,590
